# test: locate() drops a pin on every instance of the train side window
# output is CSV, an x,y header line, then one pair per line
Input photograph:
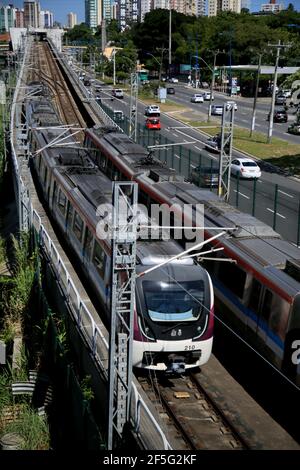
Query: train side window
x,y
255,295
99,259
267,305
78,226
62,202
88,243
70,215
232,277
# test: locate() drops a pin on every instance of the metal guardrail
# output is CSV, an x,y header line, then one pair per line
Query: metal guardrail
x,y
84,320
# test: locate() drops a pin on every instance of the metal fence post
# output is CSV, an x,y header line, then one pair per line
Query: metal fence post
x,y
237,190
298,231
180,160
275,206
189,163
254,196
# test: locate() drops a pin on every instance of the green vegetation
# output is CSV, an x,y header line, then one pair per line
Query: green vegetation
x,y
279,152
86,389
244,35
15,297
32,428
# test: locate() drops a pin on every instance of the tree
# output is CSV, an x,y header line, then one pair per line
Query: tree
x,y
80,33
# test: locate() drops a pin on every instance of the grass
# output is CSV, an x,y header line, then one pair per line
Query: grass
x,y
279,152
2,250
32,428
16,296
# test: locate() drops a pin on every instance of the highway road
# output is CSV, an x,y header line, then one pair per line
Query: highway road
x,y
271,193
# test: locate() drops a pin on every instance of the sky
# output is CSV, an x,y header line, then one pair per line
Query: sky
x,y
61,8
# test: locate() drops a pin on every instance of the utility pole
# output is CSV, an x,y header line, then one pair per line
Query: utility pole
x,y
212,84
103,44
114,66
122,301
278,46
226,152
170,38
256,95
133,106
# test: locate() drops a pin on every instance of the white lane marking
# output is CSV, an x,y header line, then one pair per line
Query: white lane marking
x,y
259,181
198,148
176,135
193,166
295,245
286,194
277,213
244,195
166,129
177,156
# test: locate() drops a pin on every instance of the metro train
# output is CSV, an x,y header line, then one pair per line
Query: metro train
x,y
173,319
259,295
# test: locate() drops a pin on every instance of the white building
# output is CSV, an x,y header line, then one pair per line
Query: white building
x,y
72,20
46,19
272,7
214,6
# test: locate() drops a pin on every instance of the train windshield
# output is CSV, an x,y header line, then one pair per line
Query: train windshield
x,y
167,302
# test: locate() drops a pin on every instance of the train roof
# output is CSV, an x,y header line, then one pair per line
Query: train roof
x,y
92,188
252,241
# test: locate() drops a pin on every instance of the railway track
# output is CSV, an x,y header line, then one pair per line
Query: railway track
x,y
45,69
193,419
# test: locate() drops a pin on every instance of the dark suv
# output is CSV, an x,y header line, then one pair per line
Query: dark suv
x,y
280,115
205,176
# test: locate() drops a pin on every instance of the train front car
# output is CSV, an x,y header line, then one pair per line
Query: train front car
x,y
174,324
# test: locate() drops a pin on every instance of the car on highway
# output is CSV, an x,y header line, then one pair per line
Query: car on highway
x,y
206,96
294,129
229,104
170,90
173,80
217,109
213,144
280,115
197,98
205,176
280,99
117,93
152,110
153,123
245,168
118,115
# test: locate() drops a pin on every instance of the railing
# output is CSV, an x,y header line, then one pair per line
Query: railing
x,y
85,322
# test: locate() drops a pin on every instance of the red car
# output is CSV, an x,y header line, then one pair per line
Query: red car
x,y
153,123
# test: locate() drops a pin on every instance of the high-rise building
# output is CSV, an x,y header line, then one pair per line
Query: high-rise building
x,y
7,17
72,20
31,14
46,19
19,18
272,7
95,10
214,6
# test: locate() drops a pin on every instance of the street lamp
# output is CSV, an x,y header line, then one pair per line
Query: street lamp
x,y
159,62
256,94
212,84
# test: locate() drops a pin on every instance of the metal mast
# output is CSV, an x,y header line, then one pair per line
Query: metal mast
x,y
121,307
133,106
226,151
